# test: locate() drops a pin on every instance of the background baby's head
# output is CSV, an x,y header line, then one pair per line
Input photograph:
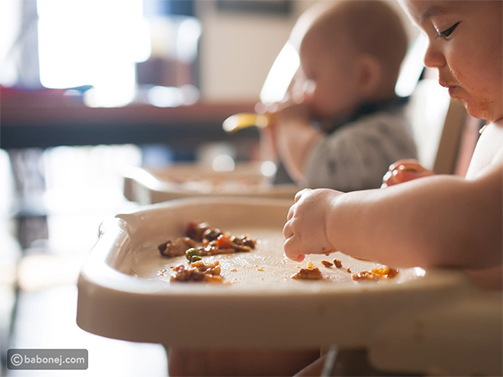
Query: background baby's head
x,y
351,53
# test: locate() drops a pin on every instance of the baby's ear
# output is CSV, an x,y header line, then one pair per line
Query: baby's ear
x,y
369,75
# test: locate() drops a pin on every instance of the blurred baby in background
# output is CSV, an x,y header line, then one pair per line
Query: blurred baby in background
x,y
342,124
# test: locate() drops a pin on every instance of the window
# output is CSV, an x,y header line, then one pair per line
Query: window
x,y
99,44
92,42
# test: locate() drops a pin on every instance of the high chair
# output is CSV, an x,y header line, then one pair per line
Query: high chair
x,y
421,322
426,322
437,123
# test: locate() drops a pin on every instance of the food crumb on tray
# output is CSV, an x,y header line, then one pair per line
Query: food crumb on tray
x,y
327,263
202,240
309,273
377,273
198,271
314,273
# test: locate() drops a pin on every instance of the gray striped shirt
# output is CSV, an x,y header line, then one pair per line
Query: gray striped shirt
x,y
357,155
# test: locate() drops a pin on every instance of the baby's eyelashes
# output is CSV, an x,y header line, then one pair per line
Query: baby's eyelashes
x,y
447,32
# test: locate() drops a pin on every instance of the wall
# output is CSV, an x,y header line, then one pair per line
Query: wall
x,y
238,49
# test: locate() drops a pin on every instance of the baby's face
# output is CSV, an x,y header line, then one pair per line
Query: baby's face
x,y
465,45
327,83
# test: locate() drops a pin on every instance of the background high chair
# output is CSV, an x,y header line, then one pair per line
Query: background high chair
x,y
438,122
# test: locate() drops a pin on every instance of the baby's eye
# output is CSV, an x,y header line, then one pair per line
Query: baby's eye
x,y
447,32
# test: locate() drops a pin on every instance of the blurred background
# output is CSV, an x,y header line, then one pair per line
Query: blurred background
x,y
89,88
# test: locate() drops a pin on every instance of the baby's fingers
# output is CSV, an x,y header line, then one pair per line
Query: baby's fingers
x,y
413,164
299,194
404,172
291,249
291,245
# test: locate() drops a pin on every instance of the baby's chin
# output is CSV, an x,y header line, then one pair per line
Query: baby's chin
x,y
481,108
485,111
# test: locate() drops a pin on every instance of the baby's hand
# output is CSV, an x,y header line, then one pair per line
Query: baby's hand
x,y
305,229
288,113
404,171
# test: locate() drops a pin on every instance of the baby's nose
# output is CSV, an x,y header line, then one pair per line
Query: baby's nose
x,y
433,57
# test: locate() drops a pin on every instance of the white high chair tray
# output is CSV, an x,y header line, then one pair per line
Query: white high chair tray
x,y
418,321
183,180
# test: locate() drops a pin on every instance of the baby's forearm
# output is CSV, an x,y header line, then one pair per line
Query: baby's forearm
x,y
298,141
435,221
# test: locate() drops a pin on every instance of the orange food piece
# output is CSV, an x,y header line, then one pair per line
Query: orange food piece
x,y
224,242
312,273
376,273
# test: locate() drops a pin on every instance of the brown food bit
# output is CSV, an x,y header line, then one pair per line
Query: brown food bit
x,y
365,275
224,251
243,243
177,248
376,273
308,274
198,271
337,263
327,263
211,234
212,241
208,268
240,248
209,249
195,230
392,272
183,273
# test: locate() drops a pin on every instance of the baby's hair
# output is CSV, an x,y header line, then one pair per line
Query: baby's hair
x,y
385,37
371,26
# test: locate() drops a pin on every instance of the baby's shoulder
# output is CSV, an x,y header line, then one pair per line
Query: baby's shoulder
x,y
489,150
388,119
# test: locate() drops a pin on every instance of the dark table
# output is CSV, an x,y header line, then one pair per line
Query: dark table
x,y
49,118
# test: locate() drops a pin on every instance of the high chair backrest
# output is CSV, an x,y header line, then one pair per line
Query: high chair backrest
x,y
437,123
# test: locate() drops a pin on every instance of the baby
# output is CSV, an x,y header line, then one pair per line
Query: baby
x,y
342,124
435,221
